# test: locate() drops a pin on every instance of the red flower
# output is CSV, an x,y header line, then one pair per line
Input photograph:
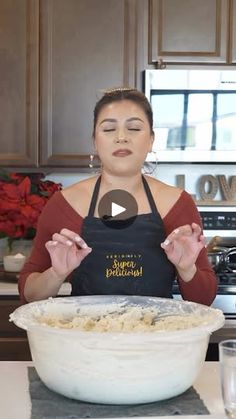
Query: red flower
x,y
22,199
48,187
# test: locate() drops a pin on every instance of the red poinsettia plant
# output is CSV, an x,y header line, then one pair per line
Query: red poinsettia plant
x,y
22,198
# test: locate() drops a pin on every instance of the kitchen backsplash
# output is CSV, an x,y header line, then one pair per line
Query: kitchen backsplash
x,y
170,173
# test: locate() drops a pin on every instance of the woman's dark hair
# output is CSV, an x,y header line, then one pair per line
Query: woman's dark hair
x,y
123,93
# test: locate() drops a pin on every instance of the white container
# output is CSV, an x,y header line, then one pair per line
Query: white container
x,y
13,263
116,368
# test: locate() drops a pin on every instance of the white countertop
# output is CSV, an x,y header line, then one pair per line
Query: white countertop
x,y
15,399
11,288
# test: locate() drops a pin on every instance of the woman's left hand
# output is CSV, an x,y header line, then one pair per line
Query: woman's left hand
x,y
182,248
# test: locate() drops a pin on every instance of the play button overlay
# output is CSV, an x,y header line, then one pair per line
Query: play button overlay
x,y
118,209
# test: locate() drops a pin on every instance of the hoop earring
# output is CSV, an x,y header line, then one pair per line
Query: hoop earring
x,y
94,168
150,166
91,157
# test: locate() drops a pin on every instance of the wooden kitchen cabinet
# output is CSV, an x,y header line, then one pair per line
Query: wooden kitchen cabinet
x,y
19,83
57,57
13,340
61,55
233,37
189,31
86,46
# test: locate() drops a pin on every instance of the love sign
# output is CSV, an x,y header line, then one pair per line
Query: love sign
x,y
208,186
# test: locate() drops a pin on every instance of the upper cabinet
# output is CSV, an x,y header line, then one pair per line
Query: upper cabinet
x,y
18,82
190,31
56,59
58,56
233,27
86,46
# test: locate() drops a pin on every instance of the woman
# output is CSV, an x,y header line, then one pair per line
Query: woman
x,y
164,242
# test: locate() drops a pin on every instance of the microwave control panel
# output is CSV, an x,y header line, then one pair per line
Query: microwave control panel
x,y
218,220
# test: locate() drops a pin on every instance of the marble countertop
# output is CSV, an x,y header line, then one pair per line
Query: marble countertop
x,y
15,399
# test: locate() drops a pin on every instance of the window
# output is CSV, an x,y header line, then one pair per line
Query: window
x,y
194,119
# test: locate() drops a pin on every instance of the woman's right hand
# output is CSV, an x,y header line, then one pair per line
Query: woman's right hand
x,y
67,250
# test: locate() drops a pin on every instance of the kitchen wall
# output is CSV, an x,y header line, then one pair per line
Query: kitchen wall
x,y
166,173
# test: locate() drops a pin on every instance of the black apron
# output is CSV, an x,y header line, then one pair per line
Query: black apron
x,y
124,261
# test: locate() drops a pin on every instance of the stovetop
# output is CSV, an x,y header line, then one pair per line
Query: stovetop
x,y
226,278
226,282
226,295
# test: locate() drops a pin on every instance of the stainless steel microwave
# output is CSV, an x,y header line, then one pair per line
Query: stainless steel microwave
x,y
194,113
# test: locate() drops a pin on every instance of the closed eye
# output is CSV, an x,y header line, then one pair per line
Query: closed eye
x,y
109,130
134,129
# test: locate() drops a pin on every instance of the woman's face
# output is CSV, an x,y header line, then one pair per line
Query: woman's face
x,y
122,137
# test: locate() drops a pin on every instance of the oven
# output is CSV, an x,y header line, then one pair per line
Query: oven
x,y
221,223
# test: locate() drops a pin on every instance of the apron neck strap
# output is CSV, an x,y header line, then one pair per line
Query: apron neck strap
x,y
96,191
94,197
149,196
